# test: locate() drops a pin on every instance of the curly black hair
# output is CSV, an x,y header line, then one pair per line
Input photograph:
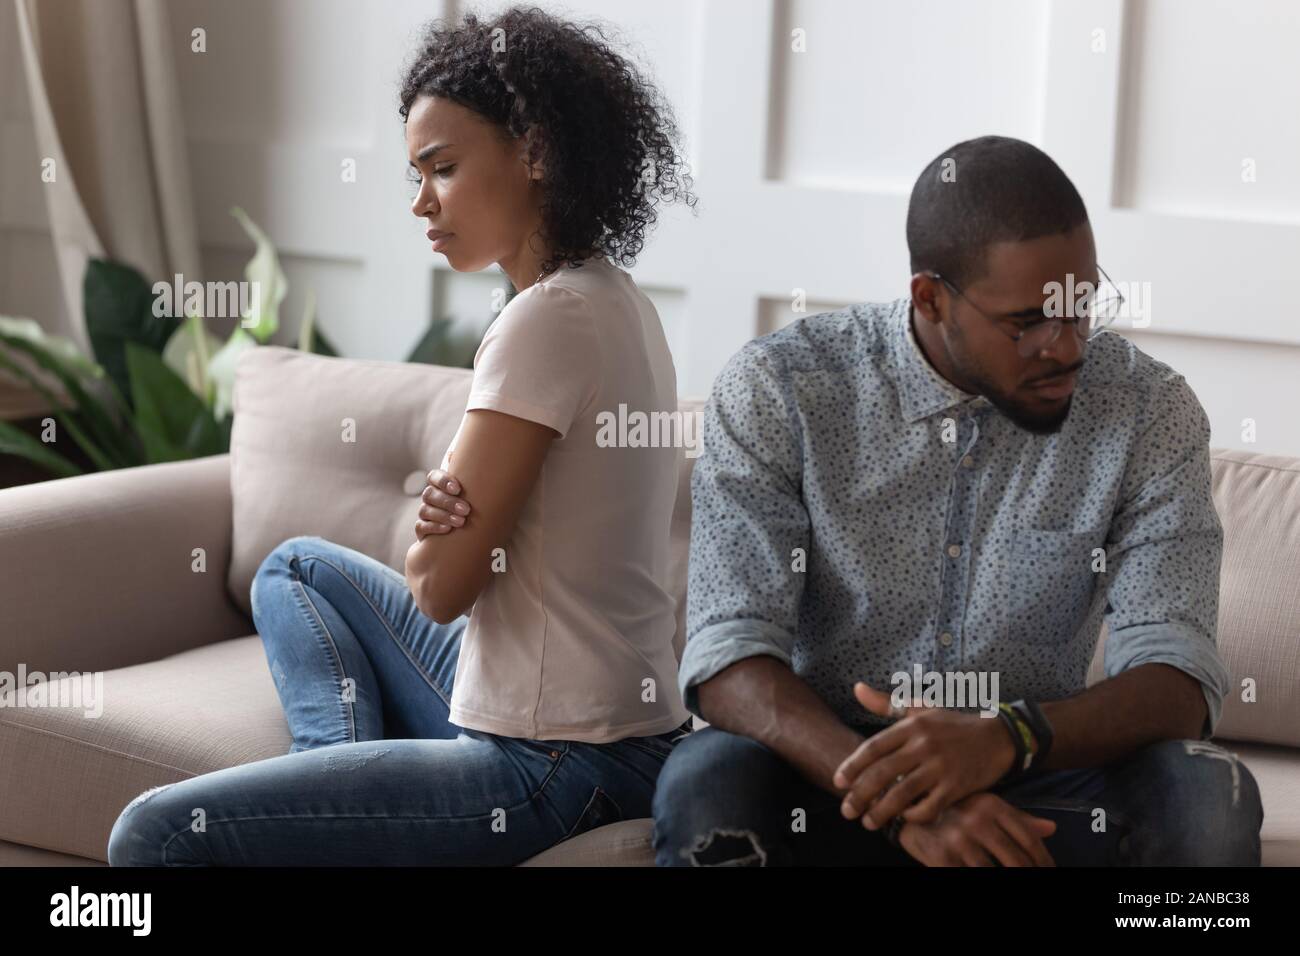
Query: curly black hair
x,y
605,135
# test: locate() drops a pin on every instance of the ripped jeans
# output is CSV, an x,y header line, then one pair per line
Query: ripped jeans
x,y
376,774
728,800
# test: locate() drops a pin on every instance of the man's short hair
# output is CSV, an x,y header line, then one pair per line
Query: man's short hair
x,y
982,191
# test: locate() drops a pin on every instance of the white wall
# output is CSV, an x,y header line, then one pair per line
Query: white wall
x,y
803,162
29,277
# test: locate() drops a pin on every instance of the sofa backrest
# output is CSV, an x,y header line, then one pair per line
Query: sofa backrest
x,y
1258,501
340,447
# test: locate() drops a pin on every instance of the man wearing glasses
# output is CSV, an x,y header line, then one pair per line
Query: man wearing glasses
x,y
957,485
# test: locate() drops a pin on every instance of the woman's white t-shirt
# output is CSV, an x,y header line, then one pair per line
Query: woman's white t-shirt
x,y
574,639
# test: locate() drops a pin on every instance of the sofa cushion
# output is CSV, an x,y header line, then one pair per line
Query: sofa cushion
x,y
626,843
333,447
66,776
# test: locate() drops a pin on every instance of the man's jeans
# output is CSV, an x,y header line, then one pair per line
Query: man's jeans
x,y
728,800
376,774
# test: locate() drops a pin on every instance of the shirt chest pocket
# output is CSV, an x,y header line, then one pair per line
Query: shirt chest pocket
x,y
1049,584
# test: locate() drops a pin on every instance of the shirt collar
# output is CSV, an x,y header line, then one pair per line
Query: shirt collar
x,y
922,391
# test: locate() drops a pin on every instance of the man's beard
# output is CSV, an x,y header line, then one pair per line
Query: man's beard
x,y
1035,424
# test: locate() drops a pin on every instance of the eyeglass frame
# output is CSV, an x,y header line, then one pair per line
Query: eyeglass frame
x,y
1057,321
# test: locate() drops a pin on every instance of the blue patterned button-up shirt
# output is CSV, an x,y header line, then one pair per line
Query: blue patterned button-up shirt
x,y
856,515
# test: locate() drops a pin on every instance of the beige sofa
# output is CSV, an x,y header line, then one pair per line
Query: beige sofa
x,y
143,574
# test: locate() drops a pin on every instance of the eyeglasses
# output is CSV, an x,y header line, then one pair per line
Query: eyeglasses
x,y
1095,310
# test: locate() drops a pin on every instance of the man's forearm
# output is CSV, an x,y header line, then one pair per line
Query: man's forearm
x,y
1115,717
762,698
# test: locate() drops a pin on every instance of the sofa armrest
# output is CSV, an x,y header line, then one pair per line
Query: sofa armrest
x,y
99,570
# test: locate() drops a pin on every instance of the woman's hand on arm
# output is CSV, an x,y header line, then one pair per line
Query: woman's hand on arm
x,y
498,460
441,510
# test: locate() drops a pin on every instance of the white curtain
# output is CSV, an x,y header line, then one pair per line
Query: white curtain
x,y
101,78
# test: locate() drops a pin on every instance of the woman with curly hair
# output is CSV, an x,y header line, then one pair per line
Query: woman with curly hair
x,y
422,735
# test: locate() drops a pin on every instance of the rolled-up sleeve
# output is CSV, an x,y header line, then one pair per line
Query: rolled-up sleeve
x,y
749,526
1164,551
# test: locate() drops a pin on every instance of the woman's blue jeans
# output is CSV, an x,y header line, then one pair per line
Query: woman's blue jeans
x,y
376,774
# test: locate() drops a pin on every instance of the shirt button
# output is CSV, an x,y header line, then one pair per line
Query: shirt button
x,y
945,639
968,462
954,550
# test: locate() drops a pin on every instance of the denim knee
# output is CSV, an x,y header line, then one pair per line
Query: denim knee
x,y
1206,808
715,803
277,563
140,833
288,549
